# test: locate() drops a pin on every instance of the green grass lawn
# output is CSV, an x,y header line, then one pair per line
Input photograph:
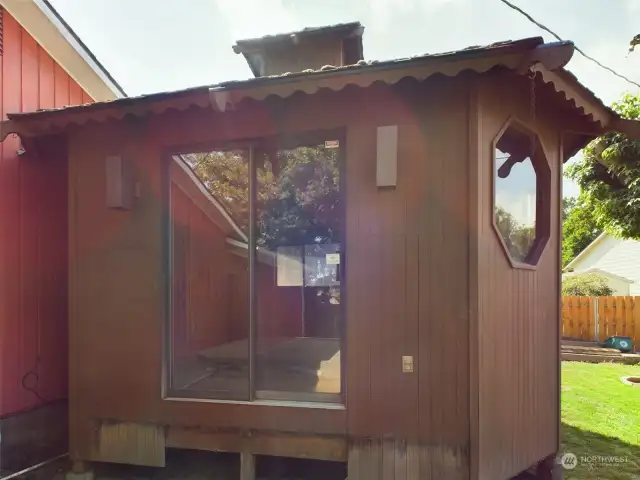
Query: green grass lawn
x,y
601,417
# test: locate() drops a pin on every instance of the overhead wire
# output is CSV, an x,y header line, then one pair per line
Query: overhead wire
x,y
578,49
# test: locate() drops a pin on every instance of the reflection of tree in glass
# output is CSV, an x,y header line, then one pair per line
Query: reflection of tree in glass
x,y
298,203
517,237
297,199
226,175
297,195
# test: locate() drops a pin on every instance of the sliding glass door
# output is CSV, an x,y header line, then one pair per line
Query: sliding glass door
x,y
257,299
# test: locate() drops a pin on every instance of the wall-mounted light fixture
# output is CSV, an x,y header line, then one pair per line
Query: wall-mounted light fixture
x,y
387,156
120,183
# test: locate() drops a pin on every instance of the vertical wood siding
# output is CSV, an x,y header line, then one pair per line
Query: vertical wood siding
x,y
426,276
33,231
406,285
407,294
518,309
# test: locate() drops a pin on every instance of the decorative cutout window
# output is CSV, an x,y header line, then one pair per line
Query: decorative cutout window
x,y
521,194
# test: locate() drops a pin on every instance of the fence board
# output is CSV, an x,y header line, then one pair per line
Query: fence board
x,y
577,318
628,317
635,325
615,316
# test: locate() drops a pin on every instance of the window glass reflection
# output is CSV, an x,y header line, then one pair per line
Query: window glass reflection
x,y
515,193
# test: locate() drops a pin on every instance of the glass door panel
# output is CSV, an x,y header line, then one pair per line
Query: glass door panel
x,y
209,344
299,214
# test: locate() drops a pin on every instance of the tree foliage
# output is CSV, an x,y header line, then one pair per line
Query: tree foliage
x,y
567,205
585,285
518,238
300,204
635,41
609,177
297,192
579,228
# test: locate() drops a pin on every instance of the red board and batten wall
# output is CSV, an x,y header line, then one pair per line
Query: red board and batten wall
x,y
33,232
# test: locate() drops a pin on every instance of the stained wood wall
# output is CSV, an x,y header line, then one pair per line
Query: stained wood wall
x,y
426,277
516,373
406,282
313,55
33,231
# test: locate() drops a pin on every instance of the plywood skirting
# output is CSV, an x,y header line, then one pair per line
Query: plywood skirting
x,y
400,460
318,447
132,443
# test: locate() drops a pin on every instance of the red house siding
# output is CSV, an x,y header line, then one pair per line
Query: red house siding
x,y
33,233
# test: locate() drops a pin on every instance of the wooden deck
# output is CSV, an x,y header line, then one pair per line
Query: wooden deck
x,y
303,365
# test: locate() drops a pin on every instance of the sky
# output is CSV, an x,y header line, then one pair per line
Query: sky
x,y
159,45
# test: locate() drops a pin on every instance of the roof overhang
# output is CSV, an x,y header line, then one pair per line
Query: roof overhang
x,y
52,33
242,250
522,57
598,271
578,258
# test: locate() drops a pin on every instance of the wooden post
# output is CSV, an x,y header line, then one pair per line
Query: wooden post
x,y
247,466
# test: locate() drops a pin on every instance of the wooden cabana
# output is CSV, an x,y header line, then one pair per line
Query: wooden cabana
x,y
357,262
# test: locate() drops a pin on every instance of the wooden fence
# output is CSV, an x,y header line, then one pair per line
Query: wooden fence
x,y
596,318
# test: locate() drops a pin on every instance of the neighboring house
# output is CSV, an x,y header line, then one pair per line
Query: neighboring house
x,y
617,260
43,64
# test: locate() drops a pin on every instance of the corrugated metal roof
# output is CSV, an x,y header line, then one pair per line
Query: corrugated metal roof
x,y
504,46
507,54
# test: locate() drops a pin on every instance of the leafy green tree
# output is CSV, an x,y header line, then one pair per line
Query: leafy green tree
x,y
609,177
567,204
297,194
579,228
226,176
517,237
585,285
635,41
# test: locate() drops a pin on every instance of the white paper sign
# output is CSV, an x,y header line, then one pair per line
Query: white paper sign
x,y
290,268
333,259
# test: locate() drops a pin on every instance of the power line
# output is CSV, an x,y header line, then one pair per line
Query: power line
x,y
579,50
